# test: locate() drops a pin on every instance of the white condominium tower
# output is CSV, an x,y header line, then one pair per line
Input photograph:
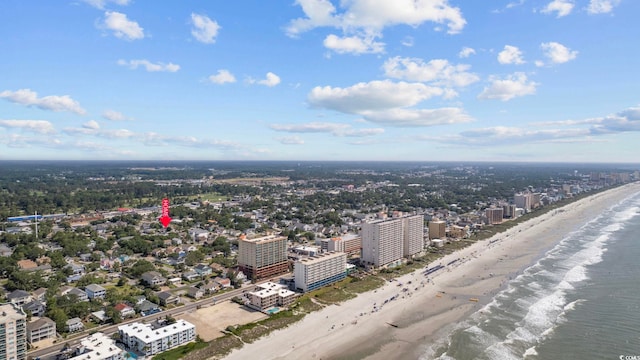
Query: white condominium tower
x,y
389,240
13,332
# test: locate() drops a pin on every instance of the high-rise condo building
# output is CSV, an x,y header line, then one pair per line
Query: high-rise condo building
x,y
13,332
437,229
263,257
388,240
494,215
317,271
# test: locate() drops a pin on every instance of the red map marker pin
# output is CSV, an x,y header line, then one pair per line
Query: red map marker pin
x,y
165,219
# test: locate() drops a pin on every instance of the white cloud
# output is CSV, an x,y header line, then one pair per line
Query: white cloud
x,y
122,27
374,95
91,124
335,129
560,7
149,66
100,4
510,55
36,126
558,53
418,117
114,115
222,76
270,80
512,86
290,140
368,18
602,6
387,102
52,102
204,29
353,44
437,71
501,135
407,41
466,52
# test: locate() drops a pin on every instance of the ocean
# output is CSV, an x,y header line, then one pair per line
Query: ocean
x,y
581,300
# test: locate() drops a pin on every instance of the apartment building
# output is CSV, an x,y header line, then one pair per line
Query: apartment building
x,y
13,332
318,271
98,346
263,257
150,340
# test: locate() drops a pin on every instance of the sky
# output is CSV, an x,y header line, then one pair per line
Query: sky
x,y
401,80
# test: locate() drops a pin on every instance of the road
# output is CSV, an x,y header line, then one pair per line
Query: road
x,y
49,353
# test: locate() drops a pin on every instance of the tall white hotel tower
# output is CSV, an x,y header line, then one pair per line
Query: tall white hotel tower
x,y
389,240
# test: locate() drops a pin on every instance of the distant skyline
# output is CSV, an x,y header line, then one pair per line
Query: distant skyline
x,y
309,80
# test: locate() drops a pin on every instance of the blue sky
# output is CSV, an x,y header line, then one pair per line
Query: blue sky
x,y
432,80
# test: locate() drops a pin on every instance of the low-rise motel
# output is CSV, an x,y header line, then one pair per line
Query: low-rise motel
x,y
268,296
149,340
317,271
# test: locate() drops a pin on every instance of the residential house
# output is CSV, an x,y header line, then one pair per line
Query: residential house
x,y
167,298
100,316
35,307
188,248
195,293
27,264
19,297
146,307
39,294
5,250
74,325
191,276
153,278
124,310
95,291
41,329
82,296
202,269
210,288
223,282
76,269
198,235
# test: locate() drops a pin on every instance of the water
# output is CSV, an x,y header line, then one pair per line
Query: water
x,y
580,301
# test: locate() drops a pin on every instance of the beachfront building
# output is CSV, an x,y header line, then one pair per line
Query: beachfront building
x,y
149,340
269,295
413,235
351,244
41,329
263,257
318,271
523,201
98,346
494,215
13,332
384,241
437,229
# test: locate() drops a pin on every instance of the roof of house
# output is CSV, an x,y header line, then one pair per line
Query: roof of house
x,y
17,294
40,323
164,295
94,288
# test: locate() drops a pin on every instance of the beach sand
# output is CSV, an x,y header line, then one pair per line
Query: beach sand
x,y
371,326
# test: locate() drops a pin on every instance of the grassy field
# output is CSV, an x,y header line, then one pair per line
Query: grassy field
x,y
181,351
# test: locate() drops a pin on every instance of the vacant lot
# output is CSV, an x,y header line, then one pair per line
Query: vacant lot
x,y
210,321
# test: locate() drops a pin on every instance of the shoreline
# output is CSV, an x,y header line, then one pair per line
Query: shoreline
x,y
399,321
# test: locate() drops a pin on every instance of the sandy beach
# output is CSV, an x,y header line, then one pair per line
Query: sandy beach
x,y
399,319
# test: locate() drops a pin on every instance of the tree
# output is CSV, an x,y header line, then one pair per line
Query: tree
x,y
193,258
